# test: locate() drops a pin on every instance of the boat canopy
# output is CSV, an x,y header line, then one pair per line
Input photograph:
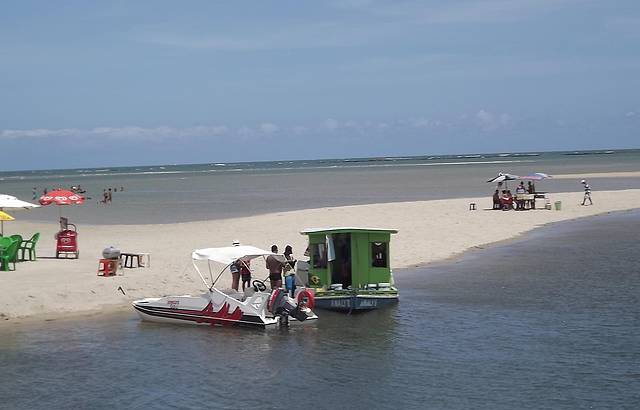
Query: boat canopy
x,y
346,229
229,254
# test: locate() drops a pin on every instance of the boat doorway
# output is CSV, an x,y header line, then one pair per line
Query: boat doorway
x,y
341,264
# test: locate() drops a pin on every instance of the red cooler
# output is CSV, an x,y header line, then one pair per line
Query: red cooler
x,y
67,242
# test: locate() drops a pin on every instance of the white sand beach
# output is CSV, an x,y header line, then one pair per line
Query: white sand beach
x,y
428,231
590,175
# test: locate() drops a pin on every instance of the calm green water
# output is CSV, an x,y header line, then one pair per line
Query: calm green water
x,y
549,321
178,193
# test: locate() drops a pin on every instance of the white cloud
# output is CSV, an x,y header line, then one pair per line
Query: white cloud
x,y
300,129
425,123
269,128
482,119
505,119
129,132
487,120
331,124
245,131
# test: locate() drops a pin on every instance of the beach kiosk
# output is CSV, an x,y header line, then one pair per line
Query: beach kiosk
x,y
349,268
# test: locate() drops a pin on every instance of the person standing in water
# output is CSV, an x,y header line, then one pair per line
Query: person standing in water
x,y
289,272
235,270
275,266
245,273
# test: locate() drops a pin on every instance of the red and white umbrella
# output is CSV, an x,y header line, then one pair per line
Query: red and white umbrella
x,y
61,197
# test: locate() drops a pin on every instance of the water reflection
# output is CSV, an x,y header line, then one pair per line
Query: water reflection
x,y
558,331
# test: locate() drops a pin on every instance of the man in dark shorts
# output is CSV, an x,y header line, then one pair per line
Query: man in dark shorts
x,y
245,273
274,265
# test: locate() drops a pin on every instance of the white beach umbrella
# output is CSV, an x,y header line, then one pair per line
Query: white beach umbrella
x,y
11,203
502,176
536,176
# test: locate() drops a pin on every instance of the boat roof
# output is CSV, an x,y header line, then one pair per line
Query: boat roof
x,y
345,229
229,254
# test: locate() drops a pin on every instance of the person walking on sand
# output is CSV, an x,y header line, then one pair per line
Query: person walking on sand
x,y
587,193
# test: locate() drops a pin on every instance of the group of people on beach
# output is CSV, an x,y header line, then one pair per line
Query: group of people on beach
x,y
241,268
506,200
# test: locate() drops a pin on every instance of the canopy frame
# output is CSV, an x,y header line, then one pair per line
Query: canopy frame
x,y
226,256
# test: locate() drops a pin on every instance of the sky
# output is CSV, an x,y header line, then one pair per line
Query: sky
x,y
92,84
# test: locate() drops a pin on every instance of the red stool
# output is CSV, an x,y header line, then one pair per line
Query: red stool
x,y
107,267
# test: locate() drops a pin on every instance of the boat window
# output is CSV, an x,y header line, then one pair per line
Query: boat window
x,y
319,255
379,254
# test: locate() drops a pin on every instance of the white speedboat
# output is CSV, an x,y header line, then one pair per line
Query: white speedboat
x,y
255,307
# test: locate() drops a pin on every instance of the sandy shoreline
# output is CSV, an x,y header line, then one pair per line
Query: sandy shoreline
x,y
429,231
594,175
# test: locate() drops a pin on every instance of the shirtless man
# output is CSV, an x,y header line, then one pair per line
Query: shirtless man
x,y
274,265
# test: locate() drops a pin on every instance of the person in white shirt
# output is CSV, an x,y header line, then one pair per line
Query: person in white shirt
x,y
587,193
520,191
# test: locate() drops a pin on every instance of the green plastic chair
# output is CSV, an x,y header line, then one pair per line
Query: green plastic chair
x,y
29,246
5,241
9,255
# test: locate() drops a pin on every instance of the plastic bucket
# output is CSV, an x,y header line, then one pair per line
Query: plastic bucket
x,y
558,205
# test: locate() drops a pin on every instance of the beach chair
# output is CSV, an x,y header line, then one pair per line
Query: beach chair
x,y
29,246
9,255
5,241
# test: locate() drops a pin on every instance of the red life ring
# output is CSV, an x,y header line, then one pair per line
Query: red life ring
x,y
310,299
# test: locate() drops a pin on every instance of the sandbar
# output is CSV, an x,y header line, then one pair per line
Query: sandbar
x,y
429,231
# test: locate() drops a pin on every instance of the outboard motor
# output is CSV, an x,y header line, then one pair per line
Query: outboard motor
x,y
280,304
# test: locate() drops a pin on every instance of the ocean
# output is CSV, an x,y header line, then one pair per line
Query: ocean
x,y
181,193
550,320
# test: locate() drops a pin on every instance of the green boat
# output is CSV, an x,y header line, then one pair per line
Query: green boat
x,y
349,268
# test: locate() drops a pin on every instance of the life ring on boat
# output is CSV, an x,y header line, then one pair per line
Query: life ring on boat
x,y
310,300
